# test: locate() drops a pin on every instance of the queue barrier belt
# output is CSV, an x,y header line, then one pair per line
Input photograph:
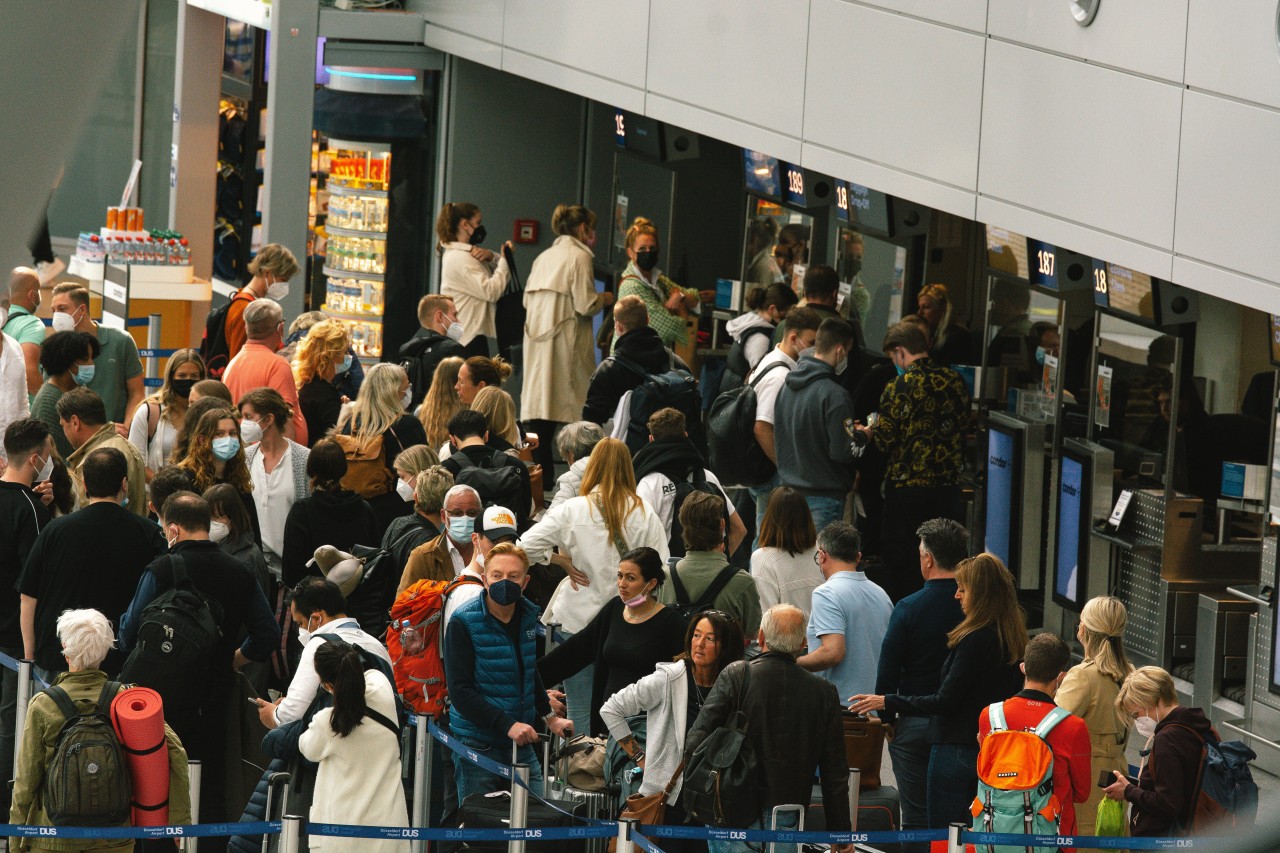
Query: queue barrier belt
x,y
202,830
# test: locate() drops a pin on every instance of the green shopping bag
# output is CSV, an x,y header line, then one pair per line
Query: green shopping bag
x,y
1110,818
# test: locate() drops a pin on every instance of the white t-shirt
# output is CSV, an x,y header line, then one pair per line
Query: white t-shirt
x,y
659,491
273,497
462,593
769,387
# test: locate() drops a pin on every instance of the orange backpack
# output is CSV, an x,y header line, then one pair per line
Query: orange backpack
x,y
420,676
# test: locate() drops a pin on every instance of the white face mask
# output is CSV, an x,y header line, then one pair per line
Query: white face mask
x,y
304,634
1146,727
218,531
404,490
4,316
806,351
63,322
406,399
455,331
278,290
45,470
250,431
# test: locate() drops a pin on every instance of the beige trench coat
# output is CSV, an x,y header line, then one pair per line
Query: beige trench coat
x,y
560,299
1090,695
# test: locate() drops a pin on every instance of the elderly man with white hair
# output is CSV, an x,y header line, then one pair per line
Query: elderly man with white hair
x,y
86,637
444,558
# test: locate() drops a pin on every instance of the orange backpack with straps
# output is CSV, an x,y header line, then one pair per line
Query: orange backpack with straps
x,y
419,670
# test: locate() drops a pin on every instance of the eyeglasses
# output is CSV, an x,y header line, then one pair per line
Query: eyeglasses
x,y
816,560
459,513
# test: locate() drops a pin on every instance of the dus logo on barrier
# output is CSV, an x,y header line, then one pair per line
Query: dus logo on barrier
x,y
48,830
408,833
533,833
737,836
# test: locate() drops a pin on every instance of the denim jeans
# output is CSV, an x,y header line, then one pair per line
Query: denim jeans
x,y
786,820
953,783
761,493
909,750
476,780
825,510
577,690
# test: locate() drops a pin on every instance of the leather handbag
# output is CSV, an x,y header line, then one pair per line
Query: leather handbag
x,y
864,746
648,809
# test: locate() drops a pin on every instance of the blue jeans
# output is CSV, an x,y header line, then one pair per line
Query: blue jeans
x,y
953,783
761,493
825,510
577,690
786,820
476,780
909,750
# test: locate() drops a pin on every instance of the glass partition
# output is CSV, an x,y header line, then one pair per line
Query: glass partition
x,y
777,246
872,276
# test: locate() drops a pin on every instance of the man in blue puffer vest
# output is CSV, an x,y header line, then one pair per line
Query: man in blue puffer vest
x,y
490,666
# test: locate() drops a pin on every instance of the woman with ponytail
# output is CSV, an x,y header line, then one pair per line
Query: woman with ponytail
x,y
1089,691
474,278
357,745
667,302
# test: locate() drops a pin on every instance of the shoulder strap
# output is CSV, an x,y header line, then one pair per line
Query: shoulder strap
x,y
717,586
330,637
995,717
633,366
63,701
467,461
682,596
179,568
755,380
107,696
382,720
1050,721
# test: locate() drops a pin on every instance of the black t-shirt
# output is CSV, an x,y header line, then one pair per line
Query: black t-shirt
x,y
22,518
632,650
90,558
693,704
321,403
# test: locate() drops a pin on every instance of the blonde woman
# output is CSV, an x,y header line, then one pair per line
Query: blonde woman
x,y
157,422
271,269
1090,689
378,414
322,356
560,299
668,303
442,402
592,532
952,342
411,462
499,412
474,278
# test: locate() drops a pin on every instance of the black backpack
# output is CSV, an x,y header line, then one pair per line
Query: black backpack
x,y
177,638
498,484
689,609
214,348
722,779
736,367
87,780
371,661
675,389
695,481
733,451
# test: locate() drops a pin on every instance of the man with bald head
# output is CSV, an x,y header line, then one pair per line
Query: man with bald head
x,y
793,723
23,325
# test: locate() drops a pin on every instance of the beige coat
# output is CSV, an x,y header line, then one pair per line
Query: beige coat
x,y
474,287
1090,695
560,299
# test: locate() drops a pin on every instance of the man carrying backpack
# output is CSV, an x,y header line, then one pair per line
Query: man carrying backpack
x,y
669,469
225,333
433,343
703,578
1003,732
196,679
499,478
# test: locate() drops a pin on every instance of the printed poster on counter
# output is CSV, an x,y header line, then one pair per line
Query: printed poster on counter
x,y
1049,377
1102,409
620,222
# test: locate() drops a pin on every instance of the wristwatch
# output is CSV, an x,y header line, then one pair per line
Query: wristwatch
x,y
549,717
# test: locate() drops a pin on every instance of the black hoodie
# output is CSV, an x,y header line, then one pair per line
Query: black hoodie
x,y
425,350
611,379
814,440
675,459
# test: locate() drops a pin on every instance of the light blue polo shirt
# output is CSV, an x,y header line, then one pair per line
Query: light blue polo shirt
x,y
857,608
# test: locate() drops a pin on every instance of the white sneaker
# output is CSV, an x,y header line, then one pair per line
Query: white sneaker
x,y
49,270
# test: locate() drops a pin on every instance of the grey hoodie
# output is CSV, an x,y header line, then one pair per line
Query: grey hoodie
x,y
814,442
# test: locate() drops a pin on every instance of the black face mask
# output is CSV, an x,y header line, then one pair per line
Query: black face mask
x,y
478,235
182,387
855,267
647,259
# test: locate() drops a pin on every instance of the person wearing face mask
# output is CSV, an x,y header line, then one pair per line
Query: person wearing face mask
x,y
473,277
271,269
15,403
437,340
625,640
230,530
22,324
330,515
215,455
444,557
53,578
118,377
67,359
199,709
815,443
85,424
495,526
1173,742
752,329
560,299
347,382
923,416
277,467
494,686
258,364
319,362
157,422
668,303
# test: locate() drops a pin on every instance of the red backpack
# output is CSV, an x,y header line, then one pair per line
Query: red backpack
x,y
420,675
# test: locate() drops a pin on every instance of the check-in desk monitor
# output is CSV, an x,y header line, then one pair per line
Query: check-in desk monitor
x,y
1014,483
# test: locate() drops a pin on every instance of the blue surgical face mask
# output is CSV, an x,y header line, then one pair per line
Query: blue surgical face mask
x,y
902,371
346,363
1040,355
505,592
461,527
83,374
225,447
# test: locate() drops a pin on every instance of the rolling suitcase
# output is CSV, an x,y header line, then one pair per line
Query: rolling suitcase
x,y
600,805
878,810
493,811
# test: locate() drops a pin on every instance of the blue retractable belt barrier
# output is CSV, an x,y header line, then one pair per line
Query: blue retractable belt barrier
x,y
153,383
980,839
560,833
155,353
9,663
137,321
712,833
645,844
203,830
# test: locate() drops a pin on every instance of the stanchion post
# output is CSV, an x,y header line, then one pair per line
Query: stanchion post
x,y
195,781
626,826
953,838
551,635
423,755
855,791
153,343
290,833
20,711
519,804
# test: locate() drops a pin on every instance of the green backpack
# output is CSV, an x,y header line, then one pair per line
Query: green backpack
x,y
87,780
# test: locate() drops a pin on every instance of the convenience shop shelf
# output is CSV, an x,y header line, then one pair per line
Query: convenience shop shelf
x,y
255,13
339,189
358,276
372,319
354,232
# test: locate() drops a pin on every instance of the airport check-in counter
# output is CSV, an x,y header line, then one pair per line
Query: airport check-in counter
x,y
1259,724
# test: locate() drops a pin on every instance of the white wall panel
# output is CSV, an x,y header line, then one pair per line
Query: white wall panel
x,y
1229,185
481,19
1225,284
606,38
1082,143
572,80
723,127
846,167
744,59
1231,48
1147,36
969,14
918,111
